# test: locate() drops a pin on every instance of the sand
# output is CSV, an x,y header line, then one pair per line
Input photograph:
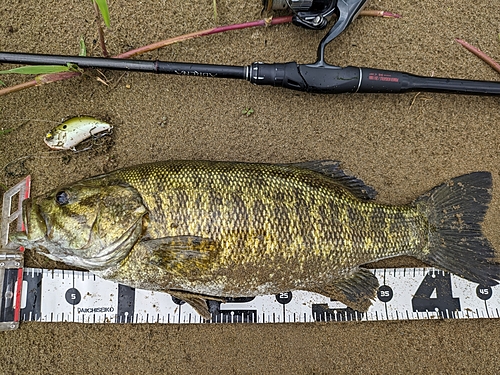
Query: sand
x,y
403,145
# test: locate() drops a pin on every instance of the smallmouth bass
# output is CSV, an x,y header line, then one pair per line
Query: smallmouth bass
x,y
207,230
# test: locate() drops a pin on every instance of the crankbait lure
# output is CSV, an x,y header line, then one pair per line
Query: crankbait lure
x,y
72,132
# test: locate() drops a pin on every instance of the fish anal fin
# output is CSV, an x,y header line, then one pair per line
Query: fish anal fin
x,y
356,291
198,302
332,169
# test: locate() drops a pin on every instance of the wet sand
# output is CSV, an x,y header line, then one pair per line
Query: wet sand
x,y
403,145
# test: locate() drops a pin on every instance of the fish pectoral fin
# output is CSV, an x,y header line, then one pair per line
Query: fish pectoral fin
x,y
198,302
356,291
171,252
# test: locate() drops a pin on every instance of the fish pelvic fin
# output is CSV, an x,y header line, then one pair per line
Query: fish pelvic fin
x,y
455,211
357,291
198,302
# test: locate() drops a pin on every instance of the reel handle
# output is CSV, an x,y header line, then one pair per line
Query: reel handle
x,y
347,11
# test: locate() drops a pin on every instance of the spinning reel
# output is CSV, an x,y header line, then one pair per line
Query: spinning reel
x,y
315,15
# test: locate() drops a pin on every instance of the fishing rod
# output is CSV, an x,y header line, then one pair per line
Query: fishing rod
x,y
318,77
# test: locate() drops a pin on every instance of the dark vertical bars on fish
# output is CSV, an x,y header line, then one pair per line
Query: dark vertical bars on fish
x,y
200,228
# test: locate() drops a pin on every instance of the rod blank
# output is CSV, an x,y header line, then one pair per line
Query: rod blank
x,y
188,69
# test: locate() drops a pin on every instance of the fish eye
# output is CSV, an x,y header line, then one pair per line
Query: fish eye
x,y
62,198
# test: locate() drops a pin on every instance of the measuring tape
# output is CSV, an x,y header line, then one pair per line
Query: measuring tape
x,y
79,296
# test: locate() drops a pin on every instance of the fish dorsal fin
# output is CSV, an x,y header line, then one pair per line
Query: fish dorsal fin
x,y
331,168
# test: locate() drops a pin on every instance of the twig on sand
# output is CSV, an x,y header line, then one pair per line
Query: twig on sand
x,y
379,13
40,80
270,21
220,29
483,56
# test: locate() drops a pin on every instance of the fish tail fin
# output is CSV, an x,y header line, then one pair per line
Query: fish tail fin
x,y
455,211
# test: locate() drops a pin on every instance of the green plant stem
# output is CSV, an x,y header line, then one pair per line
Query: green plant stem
x,y
215,10
102,42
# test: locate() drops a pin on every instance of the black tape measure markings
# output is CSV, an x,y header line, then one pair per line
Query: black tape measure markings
x,y
417,293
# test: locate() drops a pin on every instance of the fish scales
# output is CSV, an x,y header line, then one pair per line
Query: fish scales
x,y
270,216
200,229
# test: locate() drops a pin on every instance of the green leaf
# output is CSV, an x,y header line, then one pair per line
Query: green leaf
x,y
40,69
73,68
5,131
103,7
2,83
83,48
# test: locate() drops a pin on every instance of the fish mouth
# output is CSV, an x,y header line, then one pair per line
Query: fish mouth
x,y
26,209
34,227
36,224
